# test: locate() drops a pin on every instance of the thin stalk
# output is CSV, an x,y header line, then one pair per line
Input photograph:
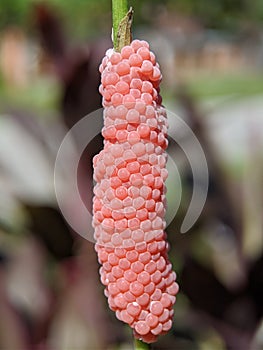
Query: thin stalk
x,y
119,11
139,345
121,24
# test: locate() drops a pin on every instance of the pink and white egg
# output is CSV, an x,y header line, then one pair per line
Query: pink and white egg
x,y
129,195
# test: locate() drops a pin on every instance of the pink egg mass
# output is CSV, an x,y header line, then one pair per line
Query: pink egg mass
x,y
129,195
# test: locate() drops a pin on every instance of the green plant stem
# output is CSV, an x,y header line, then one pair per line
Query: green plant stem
x,y
122,23
139,345
119,11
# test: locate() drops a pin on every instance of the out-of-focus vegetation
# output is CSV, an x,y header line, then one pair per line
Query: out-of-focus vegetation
x,y
88,17
203,86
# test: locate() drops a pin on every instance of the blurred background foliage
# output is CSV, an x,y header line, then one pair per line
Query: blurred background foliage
x,y
88,17
211,54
